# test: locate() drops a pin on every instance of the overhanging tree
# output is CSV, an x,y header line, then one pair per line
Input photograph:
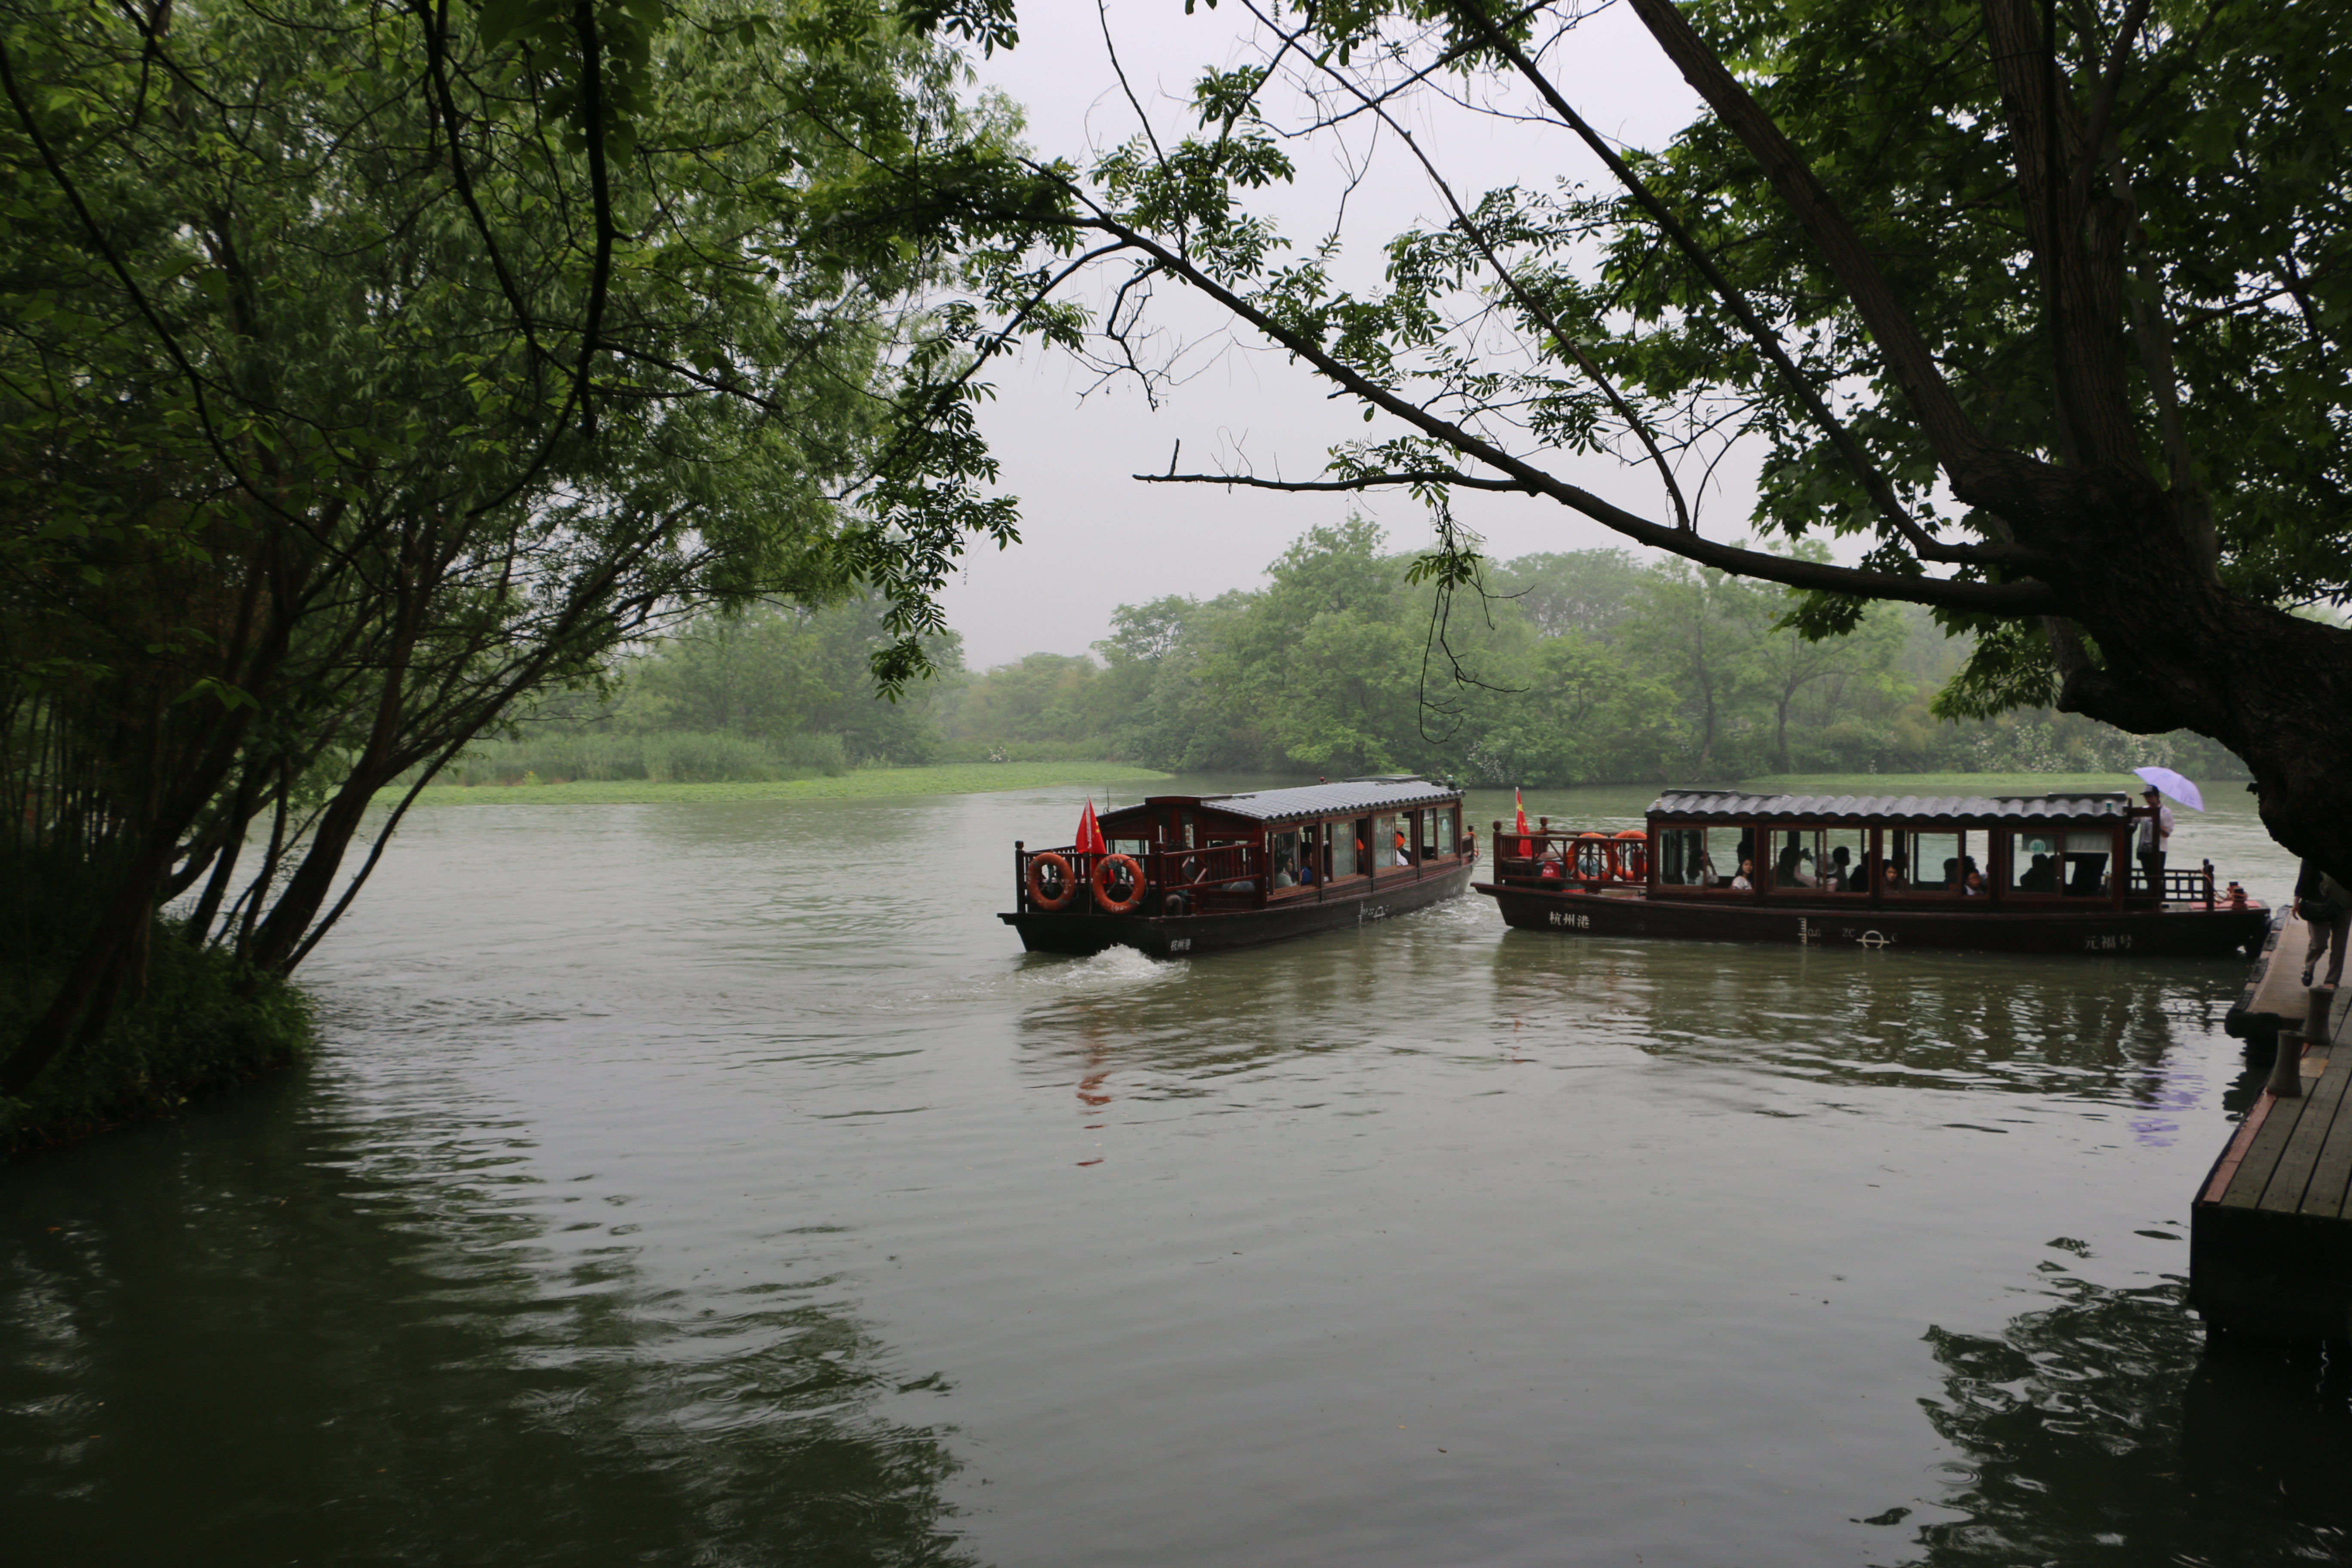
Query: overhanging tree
x,y
2043,301
365,367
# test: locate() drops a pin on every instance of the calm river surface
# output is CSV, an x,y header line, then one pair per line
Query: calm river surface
x,y
720,1184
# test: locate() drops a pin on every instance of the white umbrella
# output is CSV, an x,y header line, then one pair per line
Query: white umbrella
x,y
2173,785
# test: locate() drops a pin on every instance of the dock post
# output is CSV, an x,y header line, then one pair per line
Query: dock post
x,y
2314,1016
2286,1067
1019,881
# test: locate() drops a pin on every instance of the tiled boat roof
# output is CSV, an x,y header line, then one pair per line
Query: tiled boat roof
x,y
1324,799
1732,803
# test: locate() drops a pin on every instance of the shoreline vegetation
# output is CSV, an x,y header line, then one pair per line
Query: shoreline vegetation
x,y
201,1020
860,784
985,778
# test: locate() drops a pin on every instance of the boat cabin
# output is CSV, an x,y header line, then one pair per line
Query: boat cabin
x,y
1176,854
2049,851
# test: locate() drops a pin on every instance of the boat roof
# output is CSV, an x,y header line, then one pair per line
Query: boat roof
x,y
1388,793
1736,804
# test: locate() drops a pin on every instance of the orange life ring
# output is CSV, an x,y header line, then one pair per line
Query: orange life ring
x,y
1633,855
1103,869
1067,878
1593,856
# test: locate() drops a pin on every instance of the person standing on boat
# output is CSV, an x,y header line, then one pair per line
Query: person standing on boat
x,y
2154,833
2326,906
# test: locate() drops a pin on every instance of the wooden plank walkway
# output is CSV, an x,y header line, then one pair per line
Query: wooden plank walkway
x,y
2270,1245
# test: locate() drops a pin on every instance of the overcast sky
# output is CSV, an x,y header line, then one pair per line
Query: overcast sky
x,y
1093,537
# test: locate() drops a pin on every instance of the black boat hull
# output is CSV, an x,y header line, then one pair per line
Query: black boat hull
x,y
1180,936
2172,931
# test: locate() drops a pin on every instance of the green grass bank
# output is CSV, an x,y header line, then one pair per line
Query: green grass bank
x,y
203,1024
863,783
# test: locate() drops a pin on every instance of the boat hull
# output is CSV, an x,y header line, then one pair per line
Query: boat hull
x,y
2175,930
1179,936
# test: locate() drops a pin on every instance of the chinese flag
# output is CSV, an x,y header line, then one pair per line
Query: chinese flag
x,y
1090,833
1525,849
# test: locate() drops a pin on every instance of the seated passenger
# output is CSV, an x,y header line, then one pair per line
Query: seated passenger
x,y
1784,870
2041,877
1805,878
1841,877
1972,884
1307,872
1951,883
1282,877
1746,880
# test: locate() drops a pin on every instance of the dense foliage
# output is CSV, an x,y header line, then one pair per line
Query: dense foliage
x,y
765,692
2044,305
367,369
1572,669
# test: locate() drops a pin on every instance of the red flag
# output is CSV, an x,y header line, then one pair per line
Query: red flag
x,y
1090,833
1525,849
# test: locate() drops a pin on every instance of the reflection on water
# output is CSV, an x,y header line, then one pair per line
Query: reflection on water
x,y
321,1340
2093,1429
722,1184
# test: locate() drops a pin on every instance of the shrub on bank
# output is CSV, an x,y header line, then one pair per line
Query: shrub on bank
x,y
205,1022
664,756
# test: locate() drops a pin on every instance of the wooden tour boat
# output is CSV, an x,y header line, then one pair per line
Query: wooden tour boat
x,y
2054,874
1190,873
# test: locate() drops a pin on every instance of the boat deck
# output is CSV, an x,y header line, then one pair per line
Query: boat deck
x,y
2271,1232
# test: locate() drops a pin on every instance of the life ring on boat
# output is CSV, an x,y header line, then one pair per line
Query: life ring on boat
x,y
1064,877
1633,856
1105,868
1176,904
1592,857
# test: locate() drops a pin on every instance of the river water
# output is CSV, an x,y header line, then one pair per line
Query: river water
x,y
720,1184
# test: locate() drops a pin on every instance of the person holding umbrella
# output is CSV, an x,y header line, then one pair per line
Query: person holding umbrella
x,y
2154,833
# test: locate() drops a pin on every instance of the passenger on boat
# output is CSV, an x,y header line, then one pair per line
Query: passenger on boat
x,y
1702,871
1552,862
2042,877
1307,872
1282,877
1951,882
1972,883
1841,877
1746,880
1404,850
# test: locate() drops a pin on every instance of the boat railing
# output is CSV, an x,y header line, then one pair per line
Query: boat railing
x,y
1564,856
1215,877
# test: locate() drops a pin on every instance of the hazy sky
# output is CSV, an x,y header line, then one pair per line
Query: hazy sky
x,y
1093,538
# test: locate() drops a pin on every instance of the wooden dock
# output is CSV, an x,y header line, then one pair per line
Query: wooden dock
x,y
2270,1243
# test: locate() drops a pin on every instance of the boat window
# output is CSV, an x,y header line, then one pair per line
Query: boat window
x,y
1819,859
1928,862
1445,831
1343,848
2037,862
2086,862
1705,856
1131,846
1384,829
1281,857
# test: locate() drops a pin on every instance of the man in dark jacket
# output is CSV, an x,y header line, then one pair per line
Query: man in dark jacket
x,y
2322,903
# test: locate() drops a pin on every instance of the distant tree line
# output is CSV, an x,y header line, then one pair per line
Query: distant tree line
x,y
776,691
1583,667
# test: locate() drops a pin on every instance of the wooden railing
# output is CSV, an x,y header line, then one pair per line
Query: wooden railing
x,y
1560,857
1218,876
